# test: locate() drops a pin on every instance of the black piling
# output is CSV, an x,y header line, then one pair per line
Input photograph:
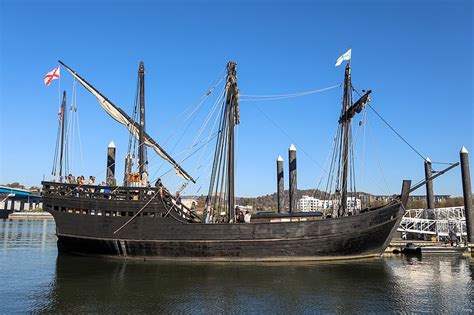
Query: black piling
x,y
111,164
280,185
292,171
467,194
429,185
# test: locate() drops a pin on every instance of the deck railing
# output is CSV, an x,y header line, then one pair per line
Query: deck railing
x,y
119,193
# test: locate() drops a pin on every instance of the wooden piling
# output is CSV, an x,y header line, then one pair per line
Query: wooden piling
x,y
292,179
467,194
110,179
429,186
280,185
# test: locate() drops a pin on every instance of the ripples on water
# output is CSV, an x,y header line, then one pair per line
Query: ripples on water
x,y
35,279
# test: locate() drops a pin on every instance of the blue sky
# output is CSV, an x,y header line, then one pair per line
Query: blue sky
x,y
416,56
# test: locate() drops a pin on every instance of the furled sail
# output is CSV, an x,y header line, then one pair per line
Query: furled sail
x,y
119,115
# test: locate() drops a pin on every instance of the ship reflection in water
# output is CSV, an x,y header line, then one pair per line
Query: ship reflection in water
x,y
35,279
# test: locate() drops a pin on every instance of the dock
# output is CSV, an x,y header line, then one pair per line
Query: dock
x,y
430,247
33,215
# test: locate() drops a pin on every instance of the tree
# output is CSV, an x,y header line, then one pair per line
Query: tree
x,y
15,185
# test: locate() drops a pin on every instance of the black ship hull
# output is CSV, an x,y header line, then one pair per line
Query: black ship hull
x,y
86,226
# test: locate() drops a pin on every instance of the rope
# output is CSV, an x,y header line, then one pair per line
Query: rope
x,y
190,115
403,139
199,103
284,133
377,155
393,129
138,213
80,142
283,96
200,161
444,163
187,157
400,136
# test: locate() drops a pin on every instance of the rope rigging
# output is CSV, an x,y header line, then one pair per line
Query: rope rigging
x,y
68,127
341,176
400,136
191,114
221,194
250,98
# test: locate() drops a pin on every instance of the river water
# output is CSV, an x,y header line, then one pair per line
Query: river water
x,y
34,278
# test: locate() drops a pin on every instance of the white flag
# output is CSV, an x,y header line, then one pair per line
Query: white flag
x,y
51,75
346,56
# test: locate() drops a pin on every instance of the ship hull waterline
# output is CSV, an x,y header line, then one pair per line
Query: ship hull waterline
x,y
360,236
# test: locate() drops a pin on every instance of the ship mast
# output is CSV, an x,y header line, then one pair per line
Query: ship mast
x,y
62,121
233,117
221,196
346,166
346,124
142,160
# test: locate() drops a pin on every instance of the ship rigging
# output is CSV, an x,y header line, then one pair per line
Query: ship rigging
x,y
135,220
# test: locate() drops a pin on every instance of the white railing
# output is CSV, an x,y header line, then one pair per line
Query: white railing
x,y
437,222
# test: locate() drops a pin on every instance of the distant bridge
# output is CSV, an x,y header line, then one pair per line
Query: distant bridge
x,y
438,222
16,199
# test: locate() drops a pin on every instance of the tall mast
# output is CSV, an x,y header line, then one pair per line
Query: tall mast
x,y
230,102
62,120
348,112
221,196
346,124
141,138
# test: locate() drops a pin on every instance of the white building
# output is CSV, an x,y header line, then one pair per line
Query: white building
x,y
354,203
309,204
189,202
245,208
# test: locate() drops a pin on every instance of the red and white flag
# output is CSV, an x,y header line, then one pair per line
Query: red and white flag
x,y
51,75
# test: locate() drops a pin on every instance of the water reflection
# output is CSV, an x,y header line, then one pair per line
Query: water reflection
x,y
365,286
45,282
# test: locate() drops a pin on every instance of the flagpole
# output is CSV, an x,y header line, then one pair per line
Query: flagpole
x,y
59,87
60,101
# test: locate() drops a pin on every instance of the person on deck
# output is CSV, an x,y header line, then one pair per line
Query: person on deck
x,y
178,198
239,214
247,217
111,180
144,179
91,180
159,186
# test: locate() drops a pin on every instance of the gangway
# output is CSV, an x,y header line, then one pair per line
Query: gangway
x,y
439,222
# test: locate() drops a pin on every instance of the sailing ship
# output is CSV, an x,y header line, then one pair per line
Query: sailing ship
x,y
135,220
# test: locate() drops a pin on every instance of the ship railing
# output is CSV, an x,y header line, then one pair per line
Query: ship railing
x,y
182,210
97,192
119,193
